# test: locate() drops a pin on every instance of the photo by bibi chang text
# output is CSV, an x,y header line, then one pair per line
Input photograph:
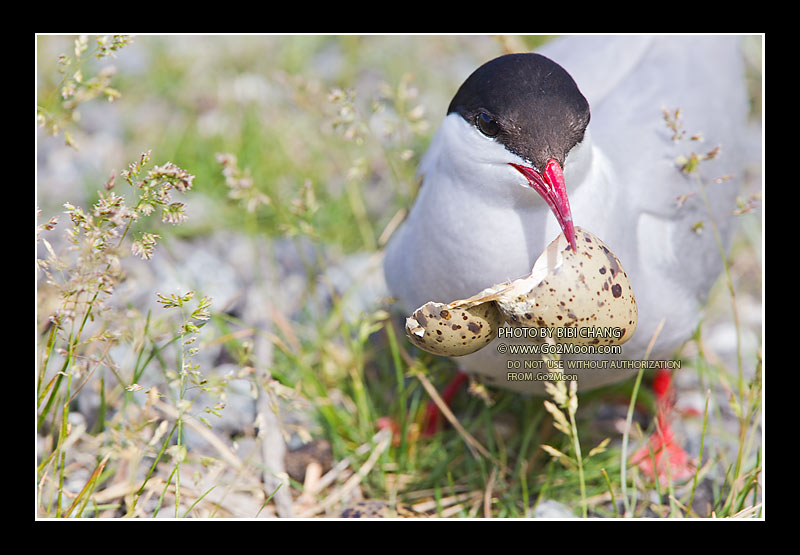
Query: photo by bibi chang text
x,y
562,332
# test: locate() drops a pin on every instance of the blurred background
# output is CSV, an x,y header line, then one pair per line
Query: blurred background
x,y
303,151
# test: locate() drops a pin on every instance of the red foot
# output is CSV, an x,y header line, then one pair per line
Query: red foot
x,y
670,458
671,461
430,425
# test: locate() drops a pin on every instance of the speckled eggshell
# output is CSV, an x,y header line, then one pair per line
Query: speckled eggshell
x,y
369,508
585,289
450,330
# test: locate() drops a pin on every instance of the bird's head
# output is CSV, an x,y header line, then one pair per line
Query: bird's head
x,y
524,114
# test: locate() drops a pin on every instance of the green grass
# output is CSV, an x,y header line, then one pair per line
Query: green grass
x,y
302,127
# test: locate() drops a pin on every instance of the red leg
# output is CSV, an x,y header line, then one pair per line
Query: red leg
x,y
670,458
430,424
431,420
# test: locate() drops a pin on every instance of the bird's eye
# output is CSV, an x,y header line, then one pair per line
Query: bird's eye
x,y
487,124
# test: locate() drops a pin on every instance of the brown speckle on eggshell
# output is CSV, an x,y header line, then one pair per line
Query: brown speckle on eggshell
x,y
437,335
585,289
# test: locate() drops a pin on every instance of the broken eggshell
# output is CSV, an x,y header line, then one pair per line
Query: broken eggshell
x,y
588,291
455,329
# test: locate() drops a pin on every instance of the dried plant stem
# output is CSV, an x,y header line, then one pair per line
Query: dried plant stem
x,y
86,492
382,441
473,444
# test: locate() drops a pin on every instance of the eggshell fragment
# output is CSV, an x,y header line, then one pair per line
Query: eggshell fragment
x,y
587,290
454,329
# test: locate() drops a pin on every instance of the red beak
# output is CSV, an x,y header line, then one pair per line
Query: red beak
x,y
551,187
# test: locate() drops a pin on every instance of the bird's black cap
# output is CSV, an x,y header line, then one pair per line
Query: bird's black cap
x,y
527,102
